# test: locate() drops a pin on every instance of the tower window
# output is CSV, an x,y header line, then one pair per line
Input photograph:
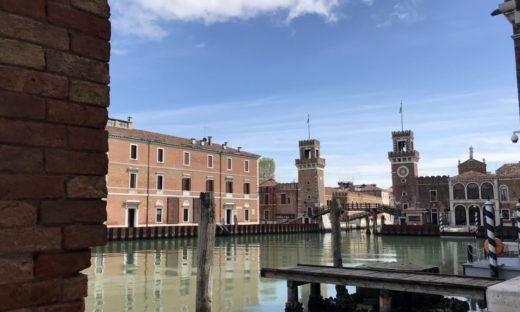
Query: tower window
x,y
401,146
404,193
405,206
433,195
308,154
283,199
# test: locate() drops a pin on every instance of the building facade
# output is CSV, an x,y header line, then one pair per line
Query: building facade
x,y
156,179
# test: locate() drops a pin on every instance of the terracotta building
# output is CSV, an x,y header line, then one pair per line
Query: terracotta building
x,y
156,179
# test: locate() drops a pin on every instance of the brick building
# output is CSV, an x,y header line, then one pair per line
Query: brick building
x,y
156,179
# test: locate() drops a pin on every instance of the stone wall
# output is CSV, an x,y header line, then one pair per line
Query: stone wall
x,y
53,109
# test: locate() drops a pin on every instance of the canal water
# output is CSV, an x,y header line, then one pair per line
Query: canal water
x,y
160,275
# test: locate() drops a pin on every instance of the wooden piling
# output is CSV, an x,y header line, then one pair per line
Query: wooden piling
x,y
206,244
367,225
374,223
335,216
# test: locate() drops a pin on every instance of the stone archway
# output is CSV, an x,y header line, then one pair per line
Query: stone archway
x,y
474,211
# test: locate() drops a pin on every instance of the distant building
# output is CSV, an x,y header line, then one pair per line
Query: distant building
x,y
457,200
156,179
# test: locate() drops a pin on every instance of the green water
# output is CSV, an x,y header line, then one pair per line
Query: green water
x,y
160,275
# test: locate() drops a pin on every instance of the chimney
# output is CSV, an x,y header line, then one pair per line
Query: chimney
x,y
239,148
193,141
210,138
129,119
224,146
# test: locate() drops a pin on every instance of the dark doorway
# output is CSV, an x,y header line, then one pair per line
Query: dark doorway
x,y
228,216
435,218
460,215
474,215
131,218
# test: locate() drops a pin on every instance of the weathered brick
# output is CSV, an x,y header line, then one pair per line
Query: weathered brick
x,y
82,236
32,133
91,47
74,306
86,187
76,114
92,93
88,139
69,17
16,213
29,294
30,239
21,53
16,270
20,159
73,211
77,66
33,82
70,162
33,8
21,105
75,287
98,7
15,26
52,265
30,187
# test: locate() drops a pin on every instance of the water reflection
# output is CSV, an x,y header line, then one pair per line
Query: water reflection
x,y
159,275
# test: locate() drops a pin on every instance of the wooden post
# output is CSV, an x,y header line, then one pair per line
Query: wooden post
x,y
292,296
367,225
335,215
206,244
385,301
374,223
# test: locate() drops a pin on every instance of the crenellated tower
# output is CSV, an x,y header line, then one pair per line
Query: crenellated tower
x,y
310,177
404,159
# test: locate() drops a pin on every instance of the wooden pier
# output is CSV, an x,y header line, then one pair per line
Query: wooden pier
x,y
381,278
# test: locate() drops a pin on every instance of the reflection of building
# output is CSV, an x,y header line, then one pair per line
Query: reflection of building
x,y
420,198
156,179
474,185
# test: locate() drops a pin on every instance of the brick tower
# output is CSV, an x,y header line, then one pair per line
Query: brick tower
x,y
310,177
404,160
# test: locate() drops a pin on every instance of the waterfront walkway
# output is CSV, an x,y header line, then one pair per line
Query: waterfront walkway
x,y
384,279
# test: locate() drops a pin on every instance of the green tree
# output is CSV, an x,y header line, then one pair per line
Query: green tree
x,y
266,167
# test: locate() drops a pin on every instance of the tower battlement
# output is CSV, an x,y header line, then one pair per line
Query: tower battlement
x,y
408,133
309,142
432,180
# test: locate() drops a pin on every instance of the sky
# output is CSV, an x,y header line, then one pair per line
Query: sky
x,y
249,71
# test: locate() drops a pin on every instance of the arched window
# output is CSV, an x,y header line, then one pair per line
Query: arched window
x,y
458,191
473,192
486,191
460,215
504,193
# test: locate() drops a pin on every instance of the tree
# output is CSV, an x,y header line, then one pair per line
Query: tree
x,y
266,167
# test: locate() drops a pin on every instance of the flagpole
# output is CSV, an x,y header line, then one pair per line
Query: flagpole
x,y
401,111
309,125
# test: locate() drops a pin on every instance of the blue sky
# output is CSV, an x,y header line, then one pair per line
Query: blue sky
x,y
249,71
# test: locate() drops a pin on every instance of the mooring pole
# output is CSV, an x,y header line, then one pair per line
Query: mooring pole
x,y
490,229
335,215
518,223
470,253
374,223
206,244
501,229
367,231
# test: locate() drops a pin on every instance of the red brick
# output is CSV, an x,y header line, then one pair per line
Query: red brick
x,y
82,236
52,265
75,306
20,159
16,270
69,17
75,287
76,114
21,105
73,211
21,53
92,93
33,8
29,294
32,133
98,7
15,26
30,239
70,162
87,187
30,187
77,66
32,82
16,213
88,139
91,47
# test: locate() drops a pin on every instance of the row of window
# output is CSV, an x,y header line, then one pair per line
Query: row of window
x,y
187,158
186,183
472,191
186,214
284,199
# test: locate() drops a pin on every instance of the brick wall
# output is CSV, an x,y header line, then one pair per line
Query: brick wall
x,y
53,109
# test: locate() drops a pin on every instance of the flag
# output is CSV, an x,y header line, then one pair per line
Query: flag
x,y
308,118
401,108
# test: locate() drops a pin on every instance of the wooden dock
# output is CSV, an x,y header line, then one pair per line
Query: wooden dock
x,y
382,278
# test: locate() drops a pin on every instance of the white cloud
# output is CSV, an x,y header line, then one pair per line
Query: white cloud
x,y
403,11
200,45
144,17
